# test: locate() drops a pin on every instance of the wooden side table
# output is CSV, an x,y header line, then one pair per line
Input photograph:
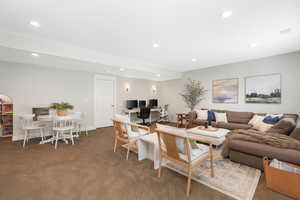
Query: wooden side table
x,y
181,119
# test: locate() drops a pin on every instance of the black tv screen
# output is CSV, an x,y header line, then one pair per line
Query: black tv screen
x,y
142,103
153,103
131,104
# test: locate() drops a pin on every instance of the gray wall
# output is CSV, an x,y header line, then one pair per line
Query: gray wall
x,y
287,65
31,86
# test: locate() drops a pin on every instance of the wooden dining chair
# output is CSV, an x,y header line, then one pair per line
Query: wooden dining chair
x,y
125,135
170,151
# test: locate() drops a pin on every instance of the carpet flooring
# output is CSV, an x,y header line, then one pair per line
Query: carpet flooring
x,y
90,170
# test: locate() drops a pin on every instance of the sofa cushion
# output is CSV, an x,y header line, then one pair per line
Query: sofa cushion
x,y
239,117
261,150
296,132
284,126
218,111
233,126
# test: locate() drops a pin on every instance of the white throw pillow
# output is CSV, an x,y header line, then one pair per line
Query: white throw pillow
x,y
256,119
221,117
202,114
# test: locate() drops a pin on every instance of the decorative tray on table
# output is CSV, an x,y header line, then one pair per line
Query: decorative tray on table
x,y
212,129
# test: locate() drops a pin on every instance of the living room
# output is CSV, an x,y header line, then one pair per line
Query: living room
x,y
149,100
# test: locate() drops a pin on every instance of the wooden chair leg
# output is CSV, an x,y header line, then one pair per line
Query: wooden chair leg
x,y
189,182
159,169
115,146
128,150
25,138
211,162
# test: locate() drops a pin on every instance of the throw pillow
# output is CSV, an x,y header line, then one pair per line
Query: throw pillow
x,y
221,117
284,126
261,126
272,119
202,114
256,119
211,116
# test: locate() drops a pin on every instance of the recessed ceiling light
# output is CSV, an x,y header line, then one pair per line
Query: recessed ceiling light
x,y
226,14
122,69
35,23
194,60
155,45
253,45
285,31
158,75
35,54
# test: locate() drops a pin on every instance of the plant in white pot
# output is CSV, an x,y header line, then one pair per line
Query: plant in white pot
x,y
61,108
193,93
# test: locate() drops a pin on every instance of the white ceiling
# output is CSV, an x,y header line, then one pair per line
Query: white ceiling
x,y
121,33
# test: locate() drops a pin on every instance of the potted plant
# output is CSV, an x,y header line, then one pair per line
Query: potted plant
x,y
193,93
61,108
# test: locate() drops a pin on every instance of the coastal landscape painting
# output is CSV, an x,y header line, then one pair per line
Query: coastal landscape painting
x,y
263,89
225,90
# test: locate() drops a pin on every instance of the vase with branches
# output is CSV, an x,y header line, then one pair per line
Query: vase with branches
x,y
193,93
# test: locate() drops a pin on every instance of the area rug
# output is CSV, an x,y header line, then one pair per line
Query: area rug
x,y
233,179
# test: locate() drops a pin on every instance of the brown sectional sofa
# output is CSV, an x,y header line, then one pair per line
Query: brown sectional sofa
x,y
251,153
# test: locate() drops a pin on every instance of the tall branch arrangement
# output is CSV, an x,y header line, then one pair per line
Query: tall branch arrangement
x,y
193,93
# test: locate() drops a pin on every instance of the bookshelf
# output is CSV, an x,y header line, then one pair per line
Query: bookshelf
x,y
6,116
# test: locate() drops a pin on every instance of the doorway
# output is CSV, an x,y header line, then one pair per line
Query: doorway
x,y
105,100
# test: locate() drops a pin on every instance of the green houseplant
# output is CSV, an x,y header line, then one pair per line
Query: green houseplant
x,y
193,93
61,108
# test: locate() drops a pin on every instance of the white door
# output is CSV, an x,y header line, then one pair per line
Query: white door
x,y
104,101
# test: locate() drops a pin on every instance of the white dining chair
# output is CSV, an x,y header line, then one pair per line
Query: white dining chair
x,y
63,128
28,126
80,122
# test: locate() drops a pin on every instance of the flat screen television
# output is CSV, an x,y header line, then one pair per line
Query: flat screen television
x,y
130,104
153,103
142,103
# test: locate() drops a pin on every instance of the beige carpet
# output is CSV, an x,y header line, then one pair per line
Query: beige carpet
x,y
90,170
232,179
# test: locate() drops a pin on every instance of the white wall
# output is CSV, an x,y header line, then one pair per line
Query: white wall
x,y
287,65
140,89
31,86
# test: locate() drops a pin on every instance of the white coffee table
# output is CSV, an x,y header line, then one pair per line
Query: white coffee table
x,y
148,148
216,137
